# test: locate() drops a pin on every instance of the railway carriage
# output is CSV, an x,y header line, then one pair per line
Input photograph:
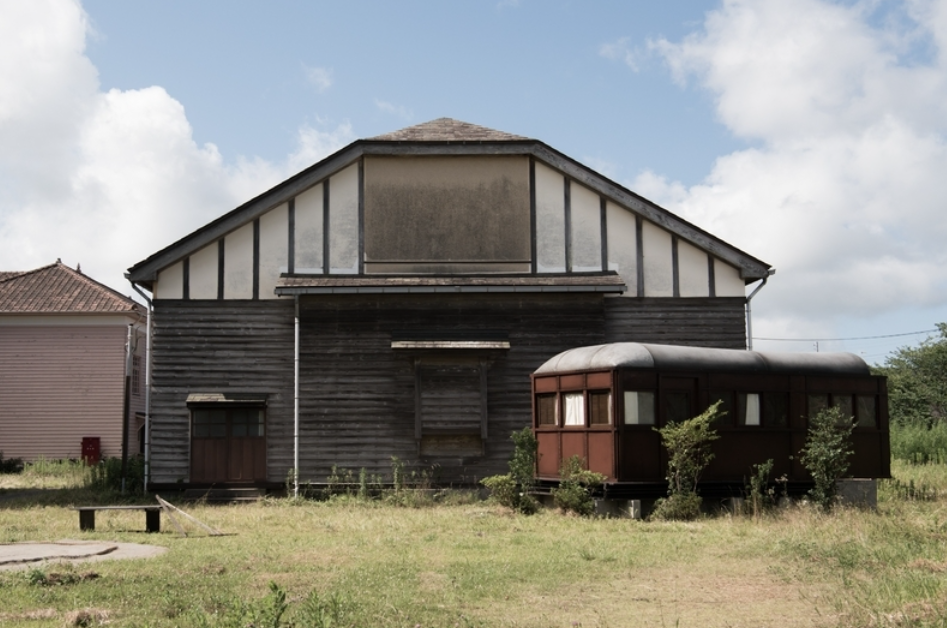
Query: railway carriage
x,y
604,403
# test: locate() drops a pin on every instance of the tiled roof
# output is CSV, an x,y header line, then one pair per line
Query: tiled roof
x,y
448,130
58,289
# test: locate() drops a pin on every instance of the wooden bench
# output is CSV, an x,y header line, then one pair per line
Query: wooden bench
x,y
152,516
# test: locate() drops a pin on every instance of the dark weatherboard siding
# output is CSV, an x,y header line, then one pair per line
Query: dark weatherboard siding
x,y
220,347
357,393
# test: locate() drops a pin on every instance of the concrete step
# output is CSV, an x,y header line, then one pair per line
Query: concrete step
x,y
225,495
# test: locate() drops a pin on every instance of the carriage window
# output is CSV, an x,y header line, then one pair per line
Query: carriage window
x,y
725,415
678,407
775,409
574,406
866,411
844,403
749,409
639,408
600,408
546,409
817,403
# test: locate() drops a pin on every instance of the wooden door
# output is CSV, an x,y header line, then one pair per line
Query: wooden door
x,y
228,445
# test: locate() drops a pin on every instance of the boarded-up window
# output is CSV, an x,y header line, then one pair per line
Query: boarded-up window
x,y
450,409
546,409
600,408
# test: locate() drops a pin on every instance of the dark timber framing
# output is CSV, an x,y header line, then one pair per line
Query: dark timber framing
x,y
186,279
675,268
361,216
532,216
291,241
639,254
220,269
325,226
256,259
711,276
603,217
567,219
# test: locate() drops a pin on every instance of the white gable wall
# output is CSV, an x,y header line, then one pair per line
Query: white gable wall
x,y
563,208
308,231
274,248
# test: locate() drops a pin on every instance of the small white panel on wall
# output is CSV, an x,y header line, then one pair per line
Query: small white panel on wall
x,y
343,221
550,220
308,243
274,245
622,245
238,263
727,280
693,271
171,282
202,273
658,263
586,229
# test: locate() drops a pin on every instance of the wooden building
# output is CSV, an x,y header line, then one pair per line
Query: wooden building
x,y
602,403
63,339
393,299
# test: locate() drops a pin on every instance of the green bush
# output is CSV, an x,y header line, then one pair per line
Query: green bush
x,y
107,475
826,453
919,443
576,486
760,495
10,465
688,445
512,489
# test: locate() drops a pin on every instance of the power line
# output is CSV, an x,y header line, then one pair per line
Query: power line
x,y
911,333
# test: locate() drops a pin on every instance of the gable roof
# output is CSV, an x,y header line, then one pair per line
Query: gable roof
x,y
447,130
445,136
58,289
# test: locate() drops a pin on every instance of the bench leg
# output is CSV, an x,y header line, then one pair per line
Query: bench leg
x,y
87,520
153,520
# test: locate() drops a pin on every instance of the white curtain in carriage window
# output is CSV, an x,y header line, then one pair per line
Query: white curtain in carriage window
x,y
574,408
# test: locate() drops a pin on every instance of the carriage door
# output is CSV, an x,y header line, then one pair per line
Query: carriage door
x,y
678,399
228,444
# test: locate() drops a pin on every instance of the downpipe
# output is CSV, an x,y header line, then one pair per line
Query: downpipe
x,y
749,310
147,473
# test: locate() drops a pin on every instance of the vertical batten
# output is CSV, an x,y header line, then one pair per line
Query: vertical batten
x,y
567,219
361,216
692,270
532,215
343,222
238,274
186,279
658,261
325,227
675,269
639,255
622,245
171,282
308,232
203,273
273,249
550,221
256,259
291,236
603,234
586,230
728,281
711,279
221,262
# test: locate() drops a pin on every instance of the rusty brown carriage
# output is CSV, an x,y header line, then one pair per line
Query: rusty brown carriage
x,y
603,403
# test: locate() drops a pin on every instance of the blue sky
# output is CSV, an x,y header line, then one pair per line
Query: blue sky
x,y
810,133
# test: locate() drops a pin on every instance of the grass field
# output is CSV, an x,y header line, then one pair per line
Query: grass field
x,y
467,563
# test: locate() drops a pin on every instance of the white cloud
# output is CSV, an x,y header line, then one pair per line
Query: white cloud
x,y
397,110
106,178
320,78
620,51
845,194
